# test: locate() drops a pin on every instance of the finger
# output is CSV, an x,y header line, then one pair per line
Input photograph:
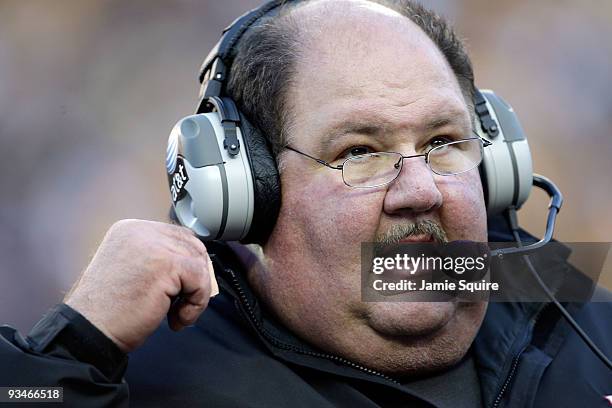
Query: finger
x,y
195,291
182,314
195,279
173,319
214,286
185,239
188,314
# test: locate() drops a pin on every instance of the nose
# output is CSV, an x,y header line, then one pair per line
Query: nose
x,y
413,191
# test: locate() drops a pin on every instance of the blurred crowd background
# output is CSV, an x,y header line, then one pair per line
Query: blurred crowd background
x,y
89,91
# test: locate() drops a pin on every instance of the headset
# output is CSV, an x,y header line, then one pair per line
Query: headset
x,y
223,178
224,182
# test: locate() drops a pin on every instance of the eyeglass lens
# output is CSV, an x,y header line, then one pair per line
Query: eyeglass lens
x,y
376,169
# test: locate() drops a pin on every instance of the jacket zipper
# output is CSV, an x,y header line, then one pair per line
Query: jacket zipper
x,y
296,349
515,362
514,365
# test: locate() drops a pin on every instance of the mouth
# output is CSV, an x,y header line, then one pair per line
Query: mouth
x,y
402,246
417,238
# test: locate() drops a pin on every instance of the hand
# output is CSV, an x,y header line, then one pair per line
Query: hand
x,y
135,277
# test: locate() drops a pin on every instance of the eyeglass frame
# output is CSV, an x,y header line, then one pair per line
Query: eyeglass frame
x,y
484,142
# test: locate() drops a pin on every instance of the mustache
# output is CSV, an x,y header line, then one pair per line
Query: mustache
x,y
400,231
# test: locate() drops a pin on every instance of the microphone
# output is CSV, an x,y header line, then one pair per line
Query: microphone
x,y
556,201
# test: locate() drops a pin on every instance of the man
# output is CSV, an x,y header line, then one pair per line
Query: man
x,y
289,327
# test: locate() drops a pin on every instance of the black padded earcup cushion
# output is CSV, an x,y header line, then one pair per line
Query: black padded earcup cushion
x,y
266,184
485,183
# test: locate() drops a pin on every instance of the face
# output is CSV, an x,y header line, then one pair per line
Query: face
x,y
371,81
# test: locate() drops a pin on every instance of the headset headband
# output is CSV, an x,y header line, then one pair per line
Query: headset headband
x,y
217,63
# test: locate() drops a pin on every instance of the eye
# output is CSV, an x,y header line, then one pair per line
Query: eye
x,y
439,141
356,151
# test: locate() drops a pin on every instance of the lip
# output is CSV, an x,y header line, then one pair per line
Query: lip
x,y
418,238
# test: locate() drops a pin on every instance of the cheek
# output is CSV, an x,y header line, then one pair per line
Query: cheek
x,y
324,209
463,213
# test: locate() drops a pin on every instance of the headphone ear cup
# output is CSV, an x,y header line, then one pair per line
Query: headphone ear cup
x,y
266,183
506,169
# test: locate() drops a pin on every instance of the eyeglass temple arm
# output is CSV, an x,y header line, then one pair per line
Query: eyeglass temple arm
x,y
323,162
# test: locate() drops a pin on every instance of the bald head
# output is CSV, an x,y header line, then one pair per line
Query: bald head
x,y
304,34
357,30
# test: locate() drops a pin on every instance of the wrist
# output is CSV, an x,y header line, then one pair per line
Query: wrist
x,y
65,332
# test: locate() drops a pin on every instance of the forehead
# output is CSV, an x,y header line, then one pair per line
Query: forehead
x,y
372,64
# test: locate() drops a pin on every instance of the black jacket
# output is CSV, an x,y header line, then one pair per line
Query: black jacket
x,y
238,355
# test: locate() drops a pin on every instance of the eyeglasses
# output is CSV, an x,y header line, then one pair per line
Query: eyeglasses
x,y
372,170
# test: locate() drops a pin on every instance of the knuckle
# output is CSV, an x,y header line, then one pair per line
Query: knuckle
x,y
194,265
177,264
170,278
123,226
184,266
192,242
200,246
157,265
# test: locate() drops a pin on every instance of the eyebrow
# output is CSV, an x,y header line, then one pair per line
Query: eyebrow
x,y
438,123
376,128
350,127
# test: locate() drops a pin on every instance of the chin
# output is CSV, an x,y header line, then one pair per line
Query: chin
x,y
408,339
410,319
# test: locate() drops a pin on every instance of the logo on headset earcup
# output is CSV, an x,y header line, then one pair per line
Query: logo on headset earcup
x,y
178,181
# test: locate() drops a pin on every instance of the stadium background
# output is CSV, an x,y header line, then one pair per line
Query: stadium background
x,y
90,89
